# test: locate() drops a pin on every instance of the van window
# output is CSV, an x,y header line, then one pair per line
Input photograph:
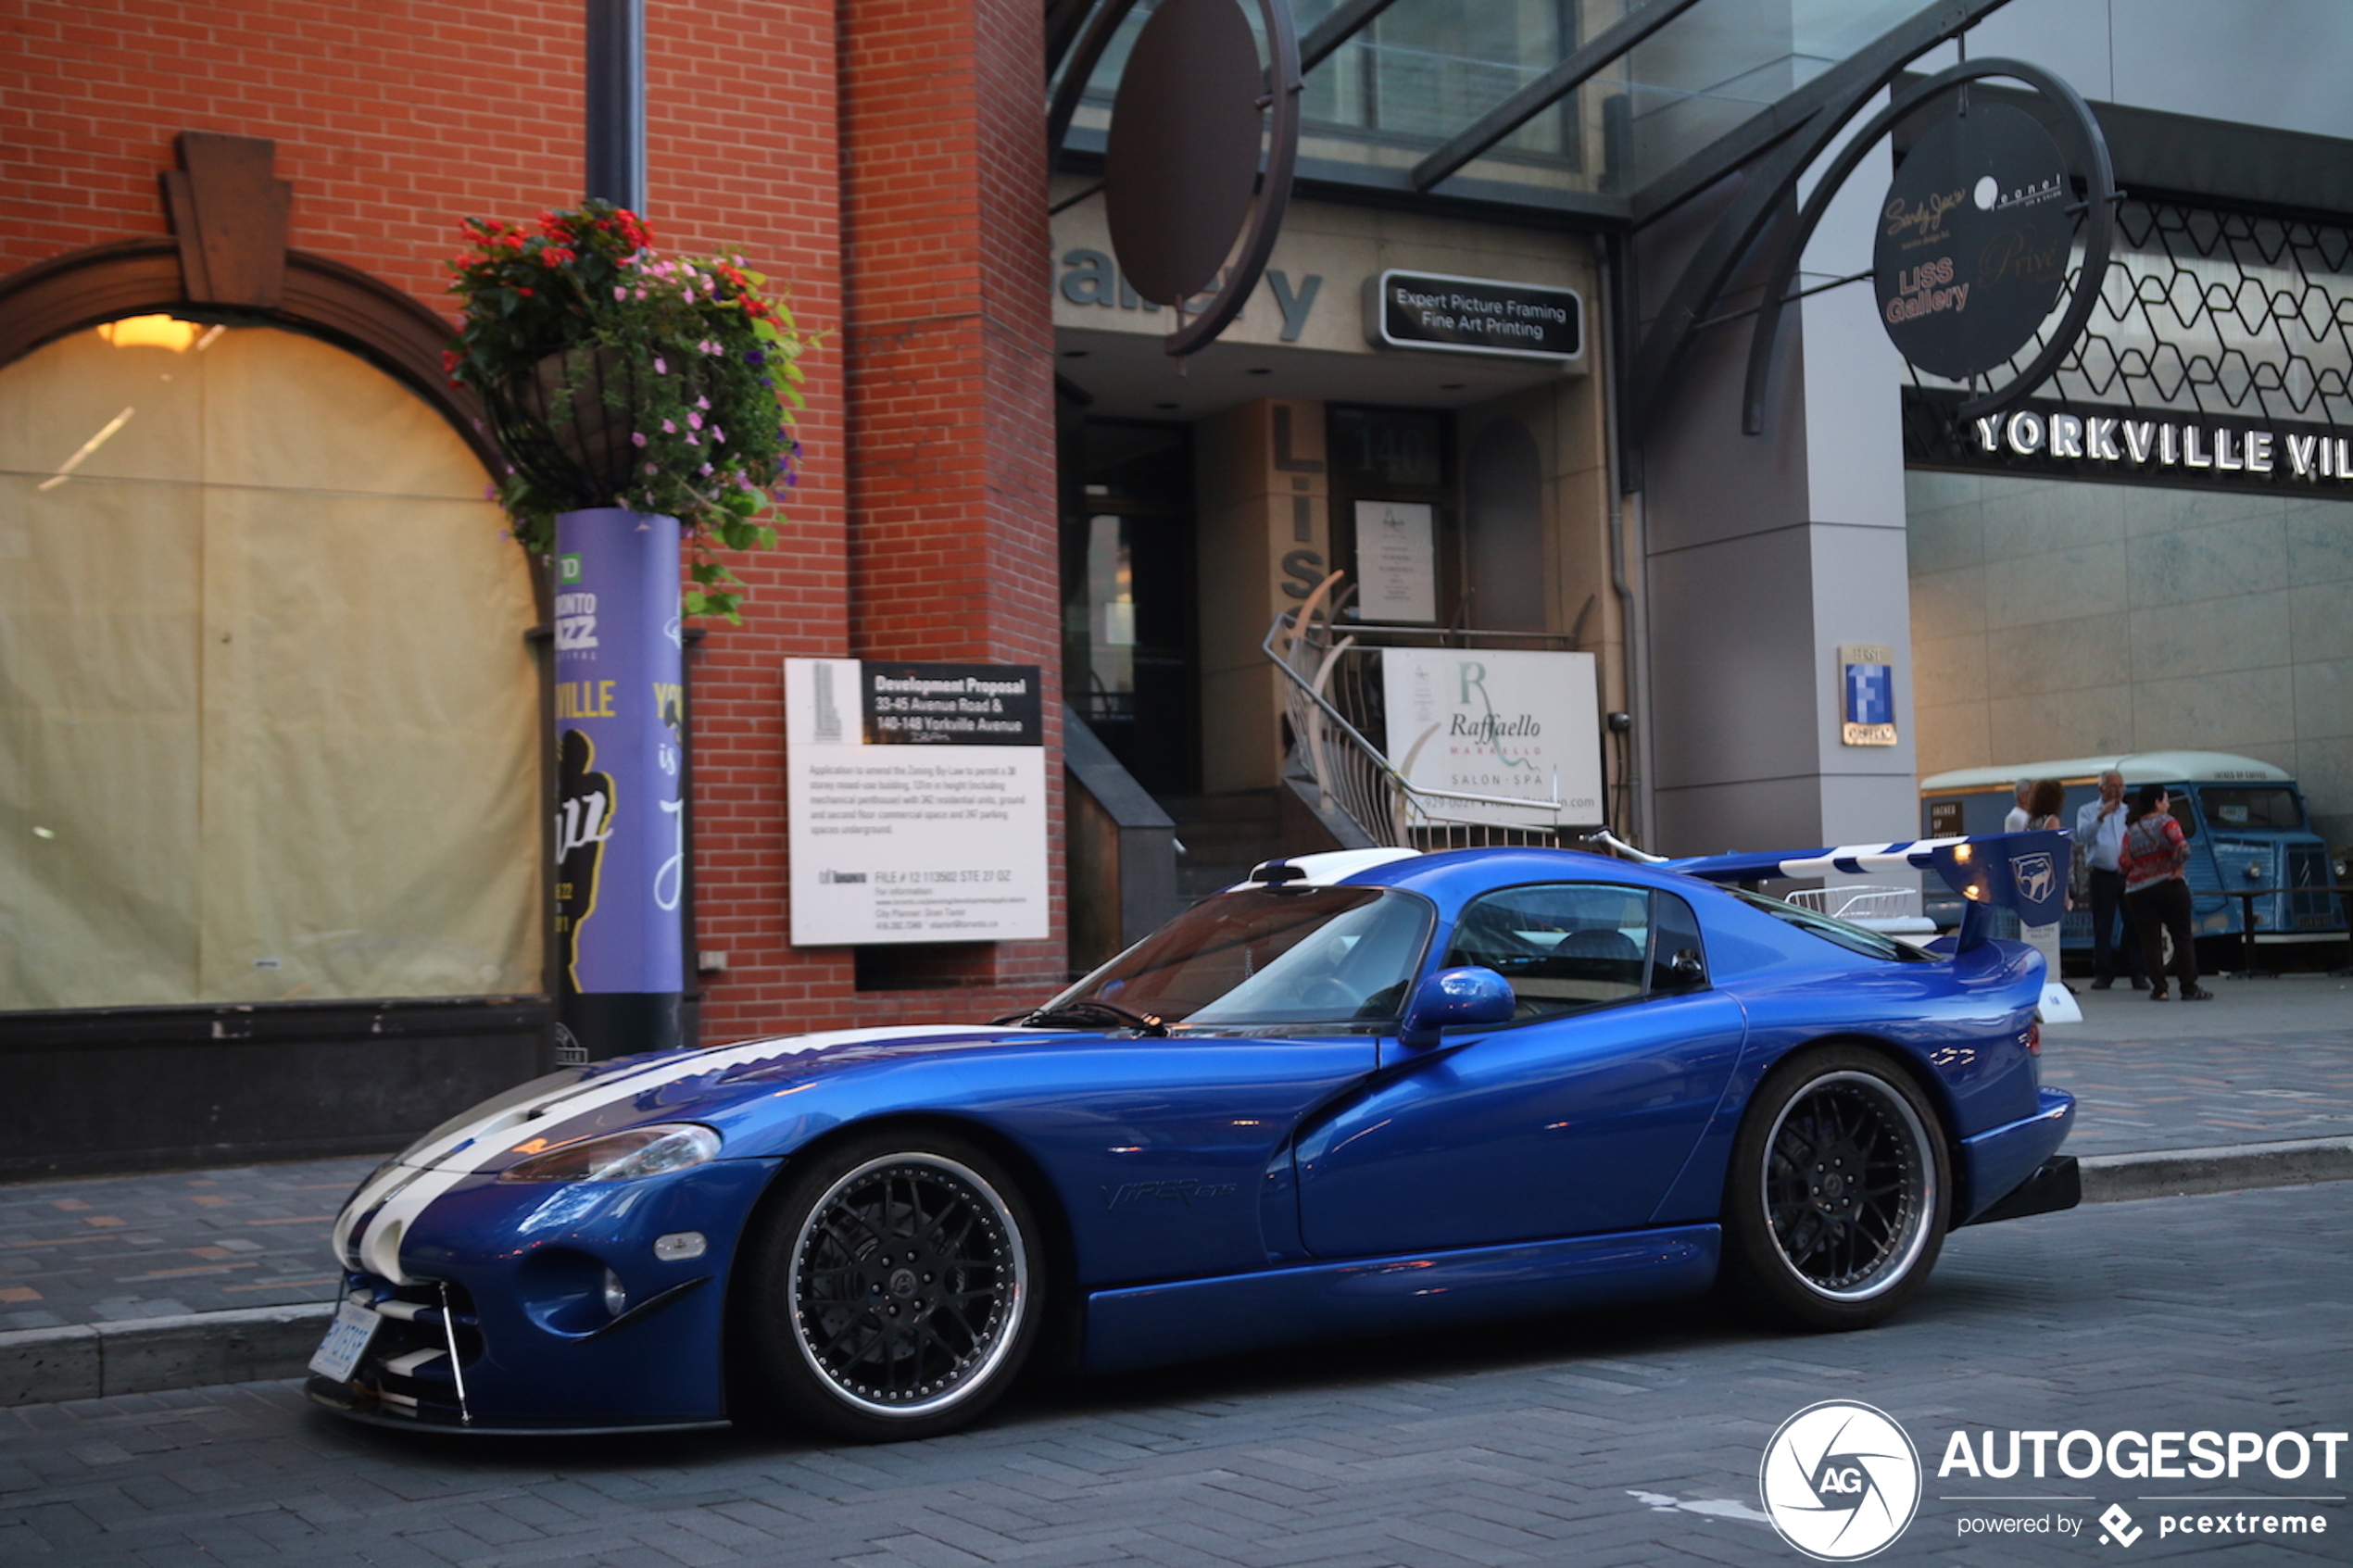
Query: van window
x,y
2272,808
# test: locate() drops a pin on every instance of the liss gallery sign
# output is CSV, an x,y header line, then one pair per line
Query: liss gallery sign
x,y
917,802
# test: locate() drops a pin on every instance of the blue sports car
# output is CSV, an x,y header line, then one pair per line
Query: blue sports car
x,y
1362,1093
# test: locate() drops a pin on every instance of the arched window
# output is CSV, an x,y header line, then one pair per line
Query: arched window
x,y
268,723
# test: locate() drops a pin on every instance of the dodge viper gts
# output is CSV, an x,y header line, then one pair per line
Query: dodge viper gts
x,y
1362,1093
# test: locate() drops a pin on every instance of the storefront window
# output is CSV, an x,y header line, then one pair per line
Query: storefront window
x,y
268,723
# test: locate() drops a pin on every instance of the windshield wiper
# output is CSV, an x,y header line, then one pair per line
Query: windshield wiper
x,y
1092,1011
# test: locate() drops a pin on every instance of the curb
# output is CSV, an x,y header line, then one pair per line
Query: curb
x,y
2194,1173
42,1366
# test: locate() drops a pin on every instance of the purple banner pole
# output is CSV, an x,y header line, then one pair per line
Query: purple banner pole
x,y
621,838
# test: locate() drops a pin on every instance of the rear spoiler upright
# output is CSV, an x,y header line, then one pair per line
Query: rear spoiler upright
x,y
2025,871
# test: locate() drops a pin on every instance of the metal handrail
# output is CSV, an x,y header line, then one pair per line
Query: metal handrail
x,y
1361,782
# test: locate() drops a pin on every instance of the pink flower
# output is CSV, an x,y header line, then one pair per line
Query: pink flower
x,y
662,368
669,429
638,437
718,434
702,402
706,467
692,442
694,419
620,293
649,468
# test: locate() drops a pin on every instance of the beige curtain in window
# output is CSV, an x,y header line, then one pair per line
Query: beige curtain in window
x,y
267,725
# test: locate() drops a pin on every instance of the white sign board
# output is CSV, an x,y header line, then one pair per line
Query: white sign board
x,y
1503,724
909,823
1396,562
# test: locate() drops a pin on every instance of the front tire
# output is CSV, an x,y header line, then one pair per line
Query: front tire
x,y
1839,1194
892,1290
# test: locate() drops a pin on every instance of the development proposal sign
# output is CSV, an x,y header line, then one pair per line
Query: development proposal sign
x,y
1517,725
917,795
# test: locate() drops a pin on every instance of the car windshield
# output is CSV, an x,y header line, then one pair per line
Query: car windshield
x,y
2240,806
1270,956
1855,938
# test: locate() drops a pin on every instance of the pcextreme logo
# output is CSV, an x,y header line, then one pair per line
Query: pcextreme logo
x,y
1840,1480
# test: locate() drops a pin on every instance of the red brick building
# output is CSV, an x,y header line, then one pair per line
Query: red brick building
x,y
883,162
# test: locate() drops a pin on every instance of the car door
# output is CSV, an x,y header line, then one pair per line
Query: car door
x,y
1574,1119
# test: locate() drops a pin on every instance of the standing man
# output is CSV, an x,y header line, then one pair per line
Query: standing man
x,y
2017,818
2100,828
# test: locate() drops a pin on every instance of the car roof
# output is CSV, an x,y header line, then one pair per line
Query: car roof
x,y
1452,876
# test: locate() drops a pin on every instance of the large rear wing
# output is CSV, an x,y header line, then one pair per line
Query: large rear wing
x,y
2025,871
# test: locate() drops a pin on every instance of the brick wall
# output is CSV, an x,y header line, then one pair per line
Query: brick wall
x,y
931,537
950,355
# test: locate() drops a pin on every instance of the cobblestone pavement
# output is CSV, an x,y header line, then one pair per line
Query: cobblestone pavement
x,y
114,1247
1627,1439
2266,1060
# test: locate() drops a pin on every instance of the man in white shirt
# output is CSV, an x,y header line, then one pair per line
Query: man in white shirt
x,y
2100,828
2017,818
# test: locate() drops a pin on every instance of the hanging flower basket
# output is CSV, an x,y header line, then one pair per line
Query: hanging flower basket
x,y
618,377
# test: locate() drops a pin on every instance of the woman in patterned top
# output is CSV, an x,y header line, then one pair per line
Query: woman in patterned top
x,y
2155,894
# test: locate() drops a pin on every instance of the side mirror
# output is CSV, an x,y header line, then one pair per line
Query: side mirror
x,y
1465,997
1686,970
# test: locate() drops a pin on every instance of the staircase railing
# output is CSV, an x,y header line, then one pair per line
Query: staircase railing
x,y
1323,683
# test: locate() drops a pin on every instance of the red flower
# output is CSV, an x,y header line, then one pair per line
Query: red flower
x,y
449,360
525,291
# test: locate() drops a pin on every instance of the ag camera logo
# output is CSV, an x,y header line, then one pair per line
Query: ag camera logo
x,y
1840,1481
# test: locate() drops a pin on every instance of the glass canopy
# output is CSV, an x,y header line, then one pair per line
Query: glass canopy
x,y
1423,71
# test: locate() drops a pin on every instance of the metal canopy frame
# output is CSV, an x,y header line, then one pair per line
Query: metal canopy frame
x,y
1079,30
1582,66
1771,150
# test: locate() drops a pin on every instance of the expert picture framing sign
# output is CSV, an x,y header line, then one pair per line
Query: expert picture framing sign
x,y
916,795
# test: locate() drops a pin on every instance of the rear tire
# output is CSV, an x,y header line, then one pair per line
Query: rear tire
x,y
1840,1191
892,1288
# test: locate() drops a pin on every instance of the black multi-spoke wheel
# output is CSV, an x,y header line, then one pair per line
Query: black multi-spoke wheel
x,y
890,1290
1835,1206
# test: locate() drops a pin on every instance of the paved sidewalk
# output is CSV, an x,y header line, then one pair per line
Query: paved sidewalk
x,y
113,1248
2266,1062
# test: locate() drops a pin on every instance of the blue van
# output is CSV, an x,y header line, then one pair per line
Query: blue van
x,y
2245,821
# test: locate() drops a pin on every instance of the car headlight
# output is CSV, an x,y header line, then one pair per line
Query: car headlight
x,y
622,1157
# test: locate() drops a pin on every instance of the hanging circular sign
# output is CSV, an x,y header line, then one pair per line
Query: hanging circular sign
x,y
1974,242
1181,163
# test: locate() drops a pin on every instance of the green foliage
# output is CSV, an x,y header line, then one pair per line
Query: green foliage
x,y
713,360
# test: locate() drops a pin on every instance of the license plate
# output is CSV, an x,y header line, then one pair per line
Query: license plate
x,y
346,1341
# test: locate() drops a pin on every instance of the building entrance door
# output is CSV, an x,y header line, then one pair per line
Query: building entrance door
x,y
1129,642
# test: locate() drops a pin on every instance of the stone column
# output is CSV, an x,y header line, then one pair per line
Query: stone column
x,y
1262,494
1766,553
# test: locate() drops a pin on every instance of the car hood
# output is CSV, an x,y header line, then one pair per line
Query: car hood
x,y
723,1085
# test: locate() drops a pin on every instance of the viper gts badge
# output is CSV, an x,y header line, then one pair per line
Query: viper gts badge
x,y
1185,1191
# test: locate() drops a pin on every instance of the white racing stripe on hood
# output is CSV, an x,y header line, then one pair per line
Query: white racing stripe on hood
x,y
405,1192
